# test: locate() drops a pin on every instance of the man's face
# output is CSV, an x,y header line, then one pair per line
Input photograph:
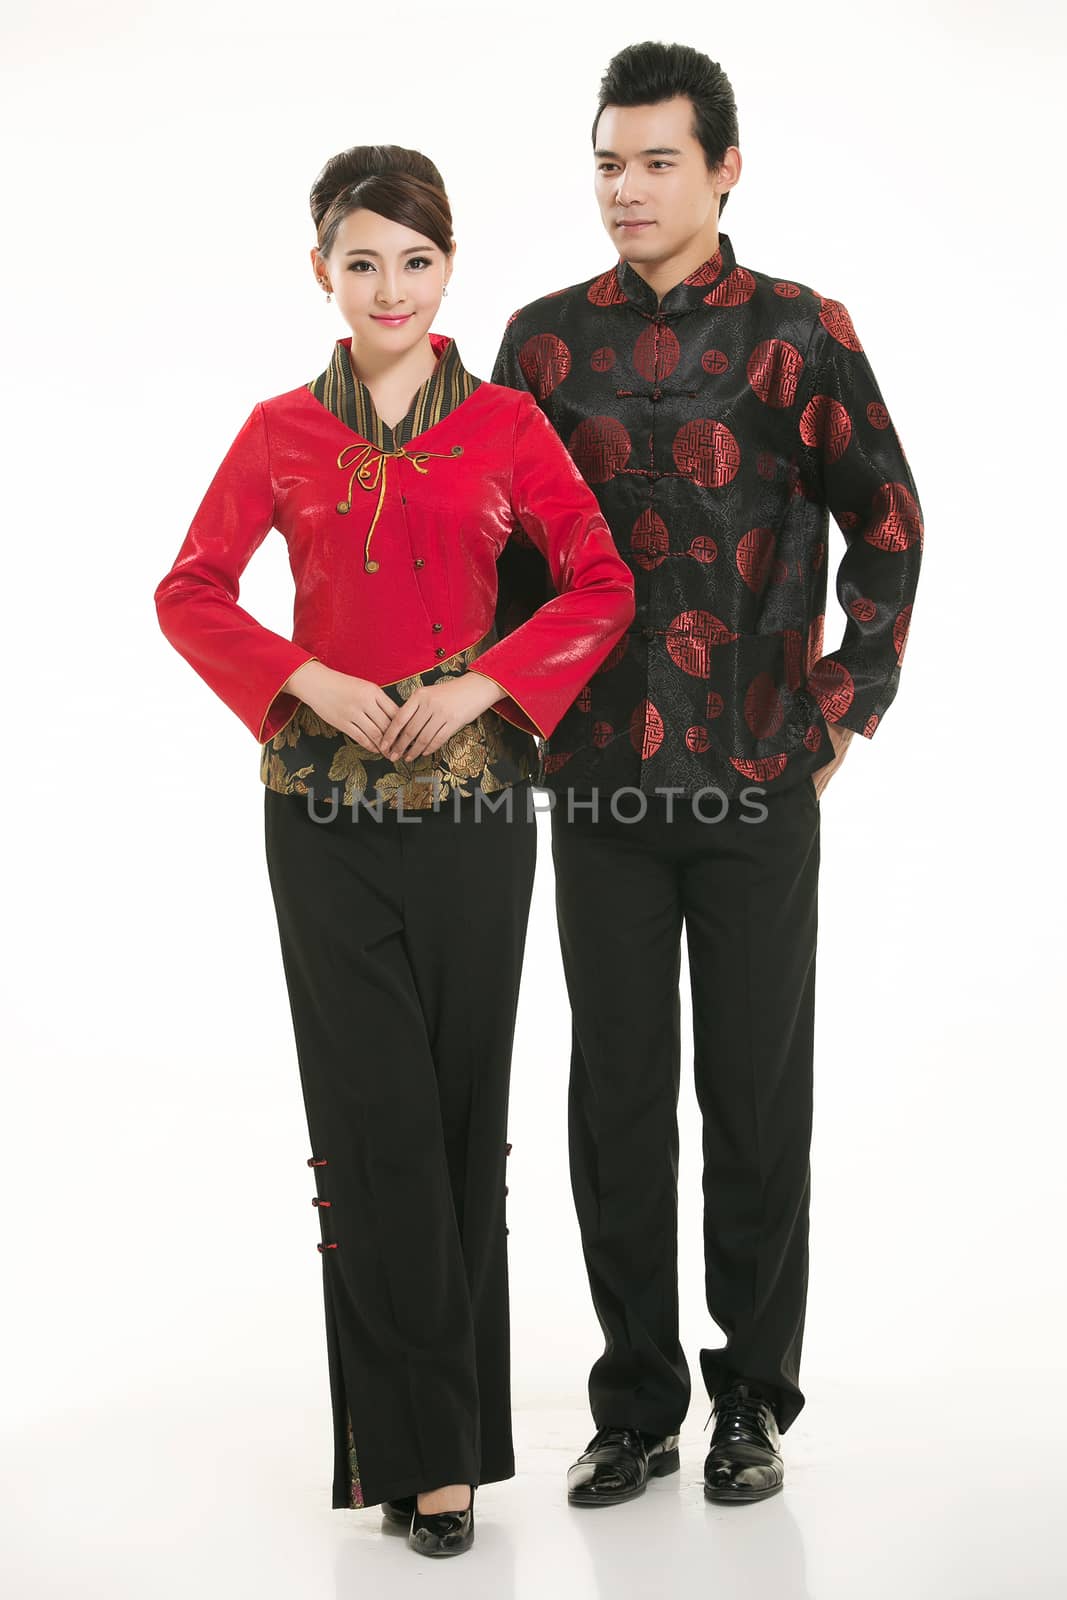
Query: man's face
x,y
652,182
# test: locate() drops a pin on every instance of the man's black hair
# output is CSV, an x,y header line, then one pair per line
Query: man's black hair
x,y
645,74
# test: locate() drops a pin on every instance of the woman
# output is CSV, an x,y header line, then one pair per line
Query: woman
x,y
394,725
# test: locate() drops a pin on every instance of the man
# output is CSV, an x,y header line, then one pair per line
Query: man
x,y
720,414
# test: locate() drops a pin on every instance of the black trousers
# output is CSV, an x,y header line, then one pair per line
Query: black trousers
x,y
747,893
402,943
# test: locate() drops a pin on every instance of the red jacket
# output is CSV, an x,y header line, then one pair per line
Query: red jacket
x,y
394,556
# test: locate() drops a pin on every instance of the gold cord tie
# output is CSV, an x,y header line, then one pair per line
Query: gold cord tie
x,y
369,468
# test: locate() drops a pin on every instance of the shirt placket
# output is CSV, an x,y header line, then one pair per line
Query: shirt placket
x,y
665,401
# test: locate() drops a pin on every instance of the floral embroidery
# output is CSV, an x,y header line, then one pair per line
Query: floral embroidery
x,y
311,757
356,1494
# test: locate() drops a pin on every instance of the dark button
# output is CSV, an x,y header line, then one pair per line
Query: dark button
x,y
657,394
439,651
437,627
649,633
420,562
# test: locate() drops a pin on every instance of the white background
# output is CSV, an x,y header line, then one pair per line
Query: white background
x,y
159,1254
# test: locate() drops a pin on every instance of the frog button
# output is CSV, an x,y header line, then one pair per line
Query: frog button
x,y
439,651
370,566
437,627
420,562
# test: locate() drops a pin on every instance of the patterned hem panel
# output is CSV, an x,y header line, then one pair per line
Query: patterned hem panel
x,y
356,1488
311,757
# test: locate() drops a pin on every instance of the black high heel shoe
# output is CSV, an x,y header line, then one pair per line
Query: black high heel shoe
x,y
442,1533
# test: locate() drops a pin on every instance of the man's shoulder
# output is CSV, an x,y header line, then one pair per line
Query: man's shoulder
x,y
783,290
559,306
793,301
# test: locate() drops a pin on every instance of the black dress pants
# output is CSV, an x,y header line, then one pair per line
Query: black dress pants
x,y
747,893
402,942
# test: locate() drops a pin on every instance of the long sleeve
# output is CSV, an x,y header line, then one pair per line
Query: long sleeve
x,y
852,461
545,663
196,602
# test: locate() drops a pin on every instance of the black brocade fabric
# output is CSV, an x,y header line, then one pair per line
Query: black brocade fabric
x,y
719,429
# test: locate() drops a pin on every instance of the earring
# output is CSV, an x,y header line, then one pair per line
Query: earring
x,y
329,292
445,289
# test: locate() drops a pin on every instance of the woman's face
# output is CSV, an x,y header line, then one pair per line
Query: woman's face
x,y
387,281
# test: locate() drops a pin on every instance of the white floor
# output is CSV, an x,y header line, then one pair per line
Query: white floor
x,y
905,1492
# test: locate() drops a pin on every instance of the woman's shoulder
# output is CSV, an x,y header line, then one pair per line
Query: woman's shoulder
x,y
503,398
289,401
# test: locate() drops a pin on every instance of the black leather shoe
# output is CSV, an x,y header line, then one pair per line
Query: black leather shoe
x,y
401,1510
442,1533
744,1462
617,1464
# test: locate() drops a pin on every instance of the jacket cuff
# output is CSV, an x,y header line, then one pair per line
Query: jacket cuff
x,y
865,710
509,708
282,704
858,720
282,707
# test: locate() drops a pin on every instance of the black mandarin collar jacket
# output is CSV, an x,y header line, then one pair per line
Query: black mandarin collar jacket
x,y
719,428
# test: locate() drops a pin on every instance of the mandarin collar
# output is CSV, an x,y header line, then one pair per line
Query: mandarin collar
x,y
349,399
685,296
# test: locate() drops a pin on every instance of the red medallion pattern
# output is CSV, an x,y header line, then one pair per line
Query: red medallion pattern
x,y
605,291
649,541
832,685
600,447
656,353
837,322
734,290
774,369
722,426
646,729
690,639
897,521
707,451
825,425
755,552
545,362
